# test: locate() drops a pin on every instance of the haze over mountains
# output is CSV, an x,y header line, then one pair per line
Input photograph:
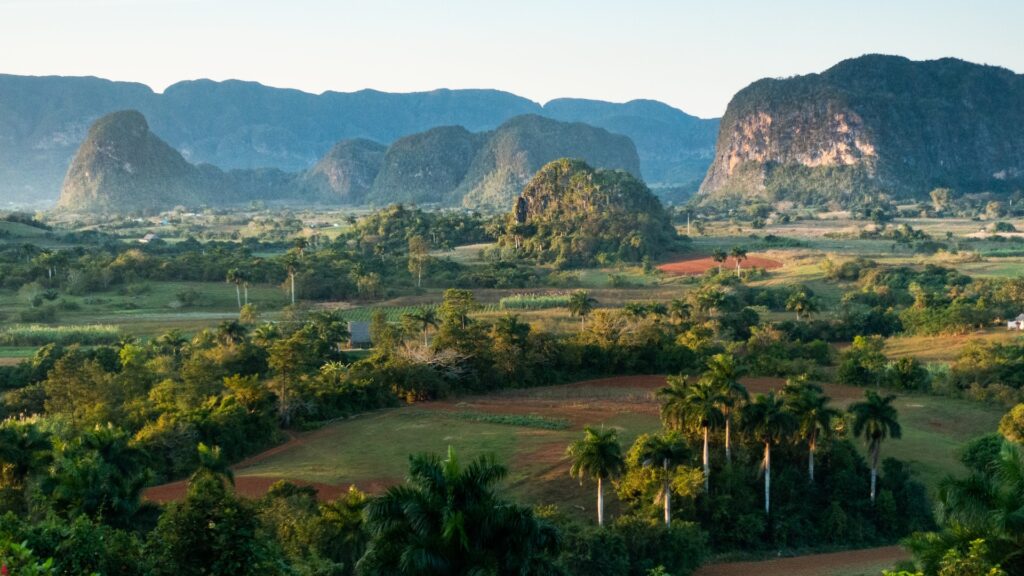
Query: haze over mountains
x,y
123,166
236,124
869,127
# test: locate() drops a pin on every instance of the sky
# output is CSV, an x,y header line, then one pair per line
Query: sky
x,y
692,55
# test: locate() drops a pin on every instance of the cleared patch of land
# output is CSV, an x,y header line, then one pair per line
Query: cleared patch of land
x,y
868,562
943,348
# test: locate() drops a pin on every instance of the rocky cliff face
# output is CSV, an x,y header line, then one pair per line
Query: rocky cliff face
x,y
875,124
122,165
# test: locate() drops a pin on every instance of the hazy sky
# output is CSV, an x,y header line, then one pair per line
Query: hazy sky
x,y
693,55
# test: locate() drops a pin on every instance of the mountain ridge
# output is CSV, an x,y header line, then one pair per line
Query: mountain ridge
x,y
237,124
123,166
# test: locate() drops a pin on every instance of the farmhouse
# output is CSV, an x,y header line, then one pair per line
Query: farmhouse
x,y
1016,324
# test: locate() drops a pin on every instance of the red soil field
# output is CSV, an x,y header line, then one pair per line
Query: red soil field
x,y
812,565
696,266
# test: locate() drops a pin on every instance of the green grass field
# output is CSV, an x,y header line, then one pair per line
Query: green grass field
x,y
372,450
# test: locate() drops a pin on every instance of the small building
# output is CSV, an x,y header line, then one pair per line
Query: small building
x,y
1016,324
148,238
359,335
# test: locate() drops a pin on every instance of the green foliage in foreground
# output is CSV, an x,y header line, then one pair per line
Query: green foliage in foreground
x,y
982,522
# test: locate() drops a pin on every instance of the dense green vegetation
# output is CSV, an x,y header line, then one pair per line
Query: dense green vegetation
x,y
572,215
100,405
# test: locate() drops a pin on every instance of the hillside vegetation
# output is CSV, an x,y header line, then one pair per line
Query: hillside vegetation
x,y
571,214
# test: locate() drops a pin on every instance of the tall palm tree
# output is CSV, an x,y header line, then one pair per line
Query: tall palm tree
x,y
875,419
694,407
292,261
738,254
665,451
581,304
723,373
234,277
813,414
719,256
425,318
599,456
244,278
768,421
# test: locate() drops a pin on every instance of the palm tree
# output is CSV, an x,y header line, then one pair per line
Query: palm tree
x,y
875,419
447,519
581,304
265,333
719,256
708,299
679,310
172,342
24,448
424,318
802,302
739,255
244,278
813,414
723,373
984,505
665,451
693,407
512,329
291,263
234,277
212,463
599,456
300,246
231,333
768,421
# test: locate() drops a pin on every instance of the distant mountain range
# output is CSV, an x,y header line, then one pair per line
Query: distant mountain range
x,y
872,125
245,125
124,166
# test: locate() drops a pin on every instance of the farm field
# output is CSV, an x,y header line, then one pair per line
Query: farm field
x,y
868,562
371,450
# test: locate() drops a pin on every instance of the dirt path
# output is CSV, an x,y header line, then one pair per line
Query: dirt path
x,y
870,561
